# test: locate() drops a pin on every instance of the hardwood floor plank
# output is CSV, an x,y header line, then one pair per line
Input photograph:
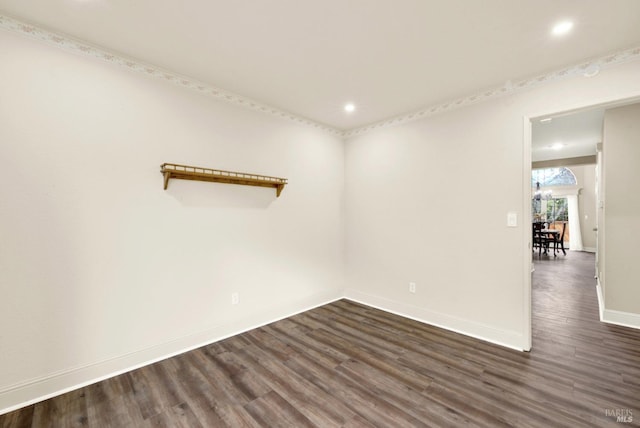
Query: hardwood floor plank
x,y
229,415
393,391
482,393
206,403
18,419
179,416
116,412
304,344
47,413
272,410
148,402
311,401
472,410
368,355
366,336
241,376
358,422
357,397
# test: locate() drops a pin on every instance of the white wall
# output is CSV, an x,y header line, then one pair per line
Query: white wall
x,y
621,147
428,202
100,268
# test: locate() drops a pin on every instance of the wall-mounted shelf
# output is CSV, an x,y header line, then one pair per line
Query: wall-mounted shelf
x,y
185,172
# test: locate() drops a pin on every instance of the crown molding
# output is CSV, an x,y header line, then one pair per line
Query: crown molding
x,y
83,48
63,41
587,69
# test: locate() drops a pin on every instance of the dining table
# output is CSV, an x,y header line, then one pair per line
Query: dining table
x,y
551,233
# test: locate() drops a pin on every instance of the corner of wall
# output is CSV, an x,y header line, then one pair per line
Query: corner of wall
x,y
610,316
508,339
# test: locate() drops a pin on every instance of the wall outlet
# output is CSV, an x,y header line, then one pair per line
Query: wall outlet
x,y
412,287
235,298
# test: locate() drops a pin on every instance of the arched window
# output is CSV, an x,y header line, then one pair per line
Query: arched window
x,y
553,177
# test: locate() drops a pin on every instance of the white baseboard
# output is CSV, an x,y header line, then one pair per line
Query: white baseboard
x,y
600,298
589,249
625,319
35,390
610,316
508,339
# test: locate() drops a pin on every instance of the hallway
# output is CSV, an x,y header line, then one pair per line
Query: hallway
x,y
604,359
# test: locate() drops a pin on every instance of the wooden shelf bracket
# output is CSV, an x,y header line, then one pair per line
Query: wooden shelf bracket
x,y
185,172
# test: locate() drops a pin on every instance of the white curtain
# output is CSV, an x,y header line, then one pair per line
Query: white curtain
x,y
575,236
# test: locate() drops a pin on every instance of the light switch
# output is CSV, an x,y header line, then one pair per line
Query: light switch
x,y
512,219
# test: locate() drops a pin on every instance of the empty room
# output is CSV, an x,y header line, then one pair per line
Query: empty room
x,y
319,214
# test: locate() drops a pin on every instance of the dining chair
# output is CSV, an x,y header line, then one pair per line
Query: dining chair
x,y
559,240
539,240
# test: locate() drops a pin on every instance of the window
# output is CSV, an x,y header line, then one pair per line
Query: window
x,y
547,206
553,177
556,209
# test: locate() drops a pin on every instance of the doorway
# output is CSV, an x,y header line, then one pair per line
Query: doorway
x,y
560,152
563,162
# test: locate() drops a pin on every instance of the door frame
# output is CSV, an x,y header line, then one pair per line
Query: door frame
x,y
609,102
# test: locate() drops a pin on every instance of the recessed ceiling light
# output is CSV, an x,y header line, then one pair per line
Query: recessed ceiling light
x,y
562,28
349,108
557,146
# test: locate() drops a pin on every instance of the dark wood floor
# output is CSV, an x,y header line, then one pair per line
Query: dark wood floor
x,y
345,364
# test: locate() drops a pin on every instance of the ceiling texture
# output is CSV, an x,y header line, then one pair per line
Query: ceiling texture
x,y
393,59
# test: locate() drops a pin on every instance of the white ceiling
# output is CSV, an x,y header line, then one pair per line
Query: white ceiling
x,y
389,57
576,133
